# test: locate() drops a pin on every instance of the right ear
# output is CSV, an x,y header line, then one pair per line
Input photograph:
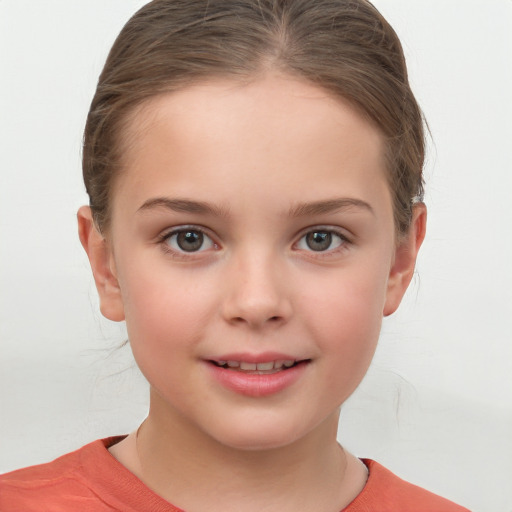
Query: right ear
x,y
102,264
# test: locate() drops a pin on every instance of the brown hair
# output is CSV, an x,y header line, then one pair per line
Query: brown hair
x,y
344,46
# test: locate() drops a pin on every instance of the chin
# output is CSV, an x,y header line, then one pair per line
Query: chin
x,y
260,435
257,443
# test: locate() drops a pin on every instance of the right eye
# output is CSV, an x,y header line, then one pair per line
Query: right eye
x,y
188,240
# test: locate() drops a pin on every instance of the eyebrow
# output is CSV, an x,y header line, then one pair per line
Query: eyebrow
x,y
182,205
299,210
329,206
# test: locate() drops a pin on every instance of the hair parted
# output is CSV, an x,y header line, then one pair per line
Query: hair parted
x,y
345,47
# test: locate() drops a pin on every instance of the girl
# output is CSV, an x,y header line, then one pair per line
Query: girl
x,y
254,171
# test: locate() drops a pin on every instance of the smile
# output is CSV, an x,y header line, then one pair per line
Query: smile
x,y
262,368
265,377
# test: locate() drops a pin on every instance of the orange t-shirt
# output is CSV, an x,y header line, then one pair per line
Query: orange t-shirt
x,y
92,480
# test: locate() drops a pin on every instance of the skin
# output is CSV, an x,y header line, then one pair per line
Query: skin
x,y
269,157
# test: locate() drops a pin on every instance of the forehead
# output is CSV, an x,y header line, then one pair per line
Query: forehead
x,y
223,134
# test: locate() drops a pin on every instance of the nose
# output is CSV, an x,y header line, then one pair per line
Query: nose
x,y
257,293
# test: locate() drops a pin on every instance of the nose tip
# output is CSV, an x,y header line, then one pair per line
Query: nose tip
x,y
268,309
257,298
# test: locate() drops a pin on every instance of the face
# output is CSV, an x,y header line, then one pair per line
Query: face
x,y
252,254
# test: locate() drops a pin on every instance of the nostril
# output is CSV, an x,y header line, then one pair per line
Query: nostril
x,y
272,319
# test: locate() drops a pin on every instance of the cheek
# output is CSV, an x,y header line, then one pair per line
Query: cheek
x,y
165,320
165,312
350,300
346,321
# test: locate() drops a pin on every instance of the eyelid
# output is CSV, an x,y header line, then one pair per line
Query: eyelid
x,y
169,232
341,233
347,239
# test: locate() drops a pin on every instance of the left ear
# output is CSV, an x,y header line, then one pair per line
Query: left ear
x,y
404,262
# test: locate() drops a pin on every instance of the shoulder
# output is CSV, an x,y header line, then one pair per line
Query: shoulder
x,y
48,486
386,492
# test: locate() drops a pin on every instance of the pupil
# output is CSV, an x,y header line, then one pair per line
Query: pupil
x,y
319,240
190,241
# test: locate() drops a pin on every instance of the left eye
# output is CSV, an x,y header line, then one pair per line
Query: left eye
x,y
320,240
189,240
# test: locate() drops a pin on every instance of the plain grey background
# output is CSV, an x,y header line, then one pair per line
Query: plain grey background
x,y
436,406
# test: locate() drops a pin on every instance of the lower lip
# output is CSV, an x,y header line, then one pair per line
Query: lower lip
x,y
257,385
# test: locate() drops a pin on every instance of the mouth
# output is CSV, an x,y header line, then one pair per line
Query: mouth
x,y
263,368
257,375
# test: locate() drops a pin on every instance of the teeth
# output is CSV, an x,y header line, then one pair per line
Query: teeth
x,y
263,367
247,366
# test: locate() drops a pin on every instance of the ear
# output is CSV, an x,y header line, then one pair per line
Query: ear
x,y
404,262
102,263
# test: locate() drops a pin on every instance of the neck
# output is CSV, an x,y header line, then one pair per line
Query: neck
x,y
174,459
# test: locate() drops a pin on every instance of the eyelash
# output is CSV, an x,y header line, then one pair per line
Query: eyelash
x,y
163,240
342,245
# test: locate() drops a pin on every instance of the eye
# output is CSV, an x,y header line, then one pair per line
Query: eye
x,y
321,240
188,240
